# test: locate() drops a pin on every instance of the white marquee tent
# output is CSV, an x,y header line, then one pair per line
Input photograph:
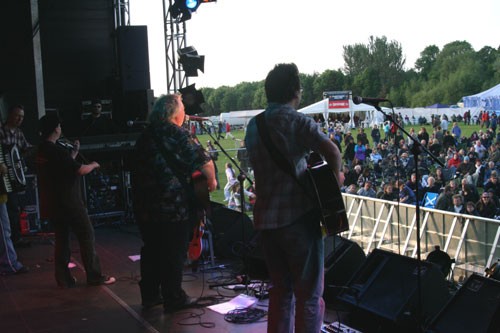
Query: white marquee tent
x,y
372,117
487,100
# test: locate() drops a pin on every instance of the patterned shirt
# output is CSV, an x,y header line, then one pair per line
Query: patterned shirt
x,y
9,136
156,183
280,199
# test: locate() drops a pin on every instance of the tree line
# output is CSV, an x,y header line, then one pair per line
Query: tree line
x,y
377,69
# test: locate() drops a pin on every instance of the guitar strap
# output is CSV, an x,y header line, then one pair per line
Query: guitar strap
x,y
274,152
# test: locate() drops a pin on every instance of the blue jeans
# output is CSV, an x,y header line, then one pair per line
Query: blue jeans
x,y
294,257
8,256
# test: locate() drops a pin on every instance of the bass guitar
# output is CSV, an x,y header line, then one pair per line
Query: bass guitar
x,y
327,190
200,186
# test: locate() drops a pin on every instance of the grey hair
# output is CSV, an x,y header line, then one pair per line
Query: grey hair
x,y
165,107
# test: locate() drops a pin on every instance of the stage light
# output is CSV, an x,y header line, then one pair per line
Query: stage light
x,y
190,60
182,9
192,100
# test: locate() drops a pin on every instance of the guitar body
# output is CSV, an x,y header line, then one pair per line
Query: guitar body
x,y
333,215
195,248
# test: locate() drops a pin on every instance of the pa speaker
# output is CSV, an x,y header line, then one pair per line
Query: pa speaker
x,y
385,289
133,57
232,231
474,308
342,259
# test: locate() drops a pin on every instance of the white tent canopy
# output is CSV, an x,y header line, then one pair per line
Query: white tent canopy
x,y
321,107
488,99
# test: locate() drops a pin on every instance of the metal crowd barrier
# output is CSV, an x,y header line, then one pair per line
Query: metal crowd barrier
x,y
472,241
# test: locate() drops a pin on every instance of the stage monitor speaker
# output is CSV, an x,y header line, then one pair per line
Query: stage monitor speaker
x,y
474,308
342,259
386,289
133,57
232,231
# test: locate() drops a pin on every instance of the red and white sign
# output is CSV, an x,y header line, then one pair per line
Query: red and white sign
x,y
334,103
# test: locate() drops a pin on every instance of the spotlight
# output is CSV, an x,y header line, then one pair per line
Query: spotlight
x,y
192,100
184,8
190,60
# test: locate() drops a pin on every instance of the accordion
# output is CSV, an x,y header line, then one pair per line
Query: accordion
x,y
14,180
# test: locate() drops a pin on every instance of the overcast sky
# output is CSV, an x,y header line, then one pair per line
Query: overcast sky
x,y
242,40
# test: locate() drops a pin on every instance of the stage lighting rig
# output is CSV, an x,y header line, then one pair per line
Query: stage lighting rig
x,y
182,9
192,100
190,60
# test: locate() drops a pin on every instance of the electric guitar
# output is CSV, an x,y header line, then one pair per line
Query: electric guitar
x,y
331,204
200,186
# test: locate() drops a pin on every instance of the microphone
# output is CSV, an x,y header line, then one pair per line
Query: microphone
x,y
132,123
195,118
368,100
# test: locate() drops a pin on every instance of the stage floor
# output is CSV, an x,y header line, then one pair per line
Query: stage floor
x,y
32,302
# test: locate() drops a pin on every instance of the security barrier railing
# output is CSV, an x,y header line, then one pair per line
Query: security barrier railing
x,y
472,241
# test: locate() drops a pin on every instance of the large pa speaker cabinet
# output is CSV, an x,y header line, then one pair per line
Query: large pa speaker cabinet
x,y
385,289
474,308
232,231
342,259
133,57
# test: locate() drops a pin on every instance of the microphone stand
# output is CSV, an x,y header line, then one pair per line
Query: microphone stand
x,y
417,148
241,178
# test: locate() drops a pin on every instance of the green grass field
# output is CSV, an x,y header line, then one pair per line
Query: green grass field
x,y
231,147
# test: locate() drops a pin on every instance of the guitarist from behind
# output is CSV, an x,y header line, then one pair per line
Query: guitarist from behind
x,y
284,213
165,157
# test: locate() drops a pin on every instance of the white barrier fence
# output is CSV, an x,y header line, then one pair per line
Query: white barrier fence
x,y
471,240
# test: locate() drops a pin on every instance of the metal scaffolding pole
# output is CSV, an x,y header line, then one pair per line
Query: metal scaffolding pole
x,y
175,39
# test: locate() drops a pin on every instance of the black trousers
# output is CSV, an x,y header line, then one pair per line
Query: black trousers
x,y
162,259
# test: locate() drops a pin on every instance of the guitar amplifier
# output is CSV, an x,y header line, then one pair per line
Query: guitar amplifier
x,y
14,180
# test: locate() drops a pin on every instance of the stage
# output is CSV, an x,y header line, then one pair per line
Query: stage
x,y
32,302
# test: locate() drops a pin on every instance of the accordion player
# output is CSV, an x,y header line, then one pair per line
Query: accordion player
x,y
14,179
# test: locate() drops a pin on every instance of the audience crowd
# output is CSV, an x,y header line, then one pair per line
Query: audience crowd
x,y
467,182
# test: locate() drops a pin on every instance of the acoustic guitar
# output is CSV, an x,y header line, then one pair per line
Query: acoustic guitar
x,y
327,190
200,187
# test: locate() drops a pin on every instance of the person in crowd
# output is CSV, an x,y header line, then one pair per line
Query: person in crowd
x,y
478,175
231,180
360,153
444,199
228,131
61,203
493,184
242,157
406,195
490,168
470,208
361,136
413,183
349,151
423,135
11,134
367,190
388,193
486,206
98,123
351,175
494,154
166,157
454,162
435,148
284,213
375,134
214,155
456,131
469,192
458,205
9,263
351,189
431,186
466,169
480,149
235,198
